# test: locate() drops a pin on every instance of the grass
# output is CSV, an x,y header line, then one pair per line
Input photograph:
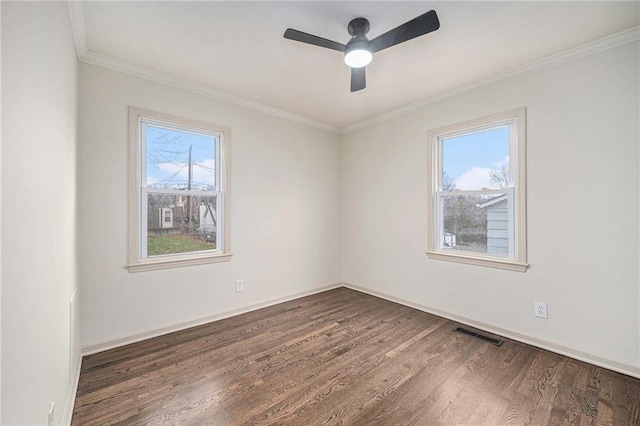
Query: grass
x,y
472,247
172,244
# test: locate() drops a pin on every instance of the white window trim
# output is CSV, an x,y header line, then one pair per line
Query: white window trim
x,y
434,164
137,263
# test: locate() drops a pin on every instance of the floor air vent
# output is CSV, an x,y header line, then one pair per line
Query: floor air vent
x,y
491,340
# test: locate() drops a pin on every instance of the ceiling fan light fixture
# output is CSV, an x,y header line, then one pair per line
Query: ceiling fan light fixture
x,y
358,55
359,50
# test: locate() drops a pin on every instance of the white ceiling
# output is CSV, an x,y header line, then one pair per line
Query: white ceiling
x,y
238,48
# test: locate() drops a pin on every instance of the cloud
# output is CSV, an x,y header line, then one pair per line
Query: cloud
x,y
203,173
475,178
478,177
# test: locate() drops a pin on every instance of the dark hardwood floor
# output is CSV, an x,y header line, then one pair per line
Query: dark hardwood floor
x,y
343,357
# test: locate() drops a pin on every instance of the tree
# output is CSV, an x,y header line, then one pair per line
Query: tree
x,y
500,178
447,183
461,216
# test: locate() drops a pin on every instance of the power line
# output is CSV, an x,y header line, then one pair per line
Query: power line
x,y
204,167
170,178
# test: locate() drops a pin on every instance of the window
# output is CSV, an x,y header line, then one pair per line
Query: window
x,y
178,200
476,208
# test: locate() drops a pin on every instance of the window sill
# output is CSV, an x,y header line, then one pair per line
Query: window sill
x,y
152,265
479,261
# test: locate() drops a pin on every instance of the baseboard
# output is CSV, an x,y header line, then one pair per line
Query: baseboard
x,y
67,414
106,344
557,347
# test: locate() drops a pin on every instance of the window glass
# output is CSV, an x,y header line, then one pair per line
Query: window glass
x,y
476,223
179,159
184,161
477,160
177,234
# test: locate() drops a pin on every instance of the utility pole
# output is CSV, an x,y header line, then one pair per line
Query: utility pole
x,y
190,168
189,189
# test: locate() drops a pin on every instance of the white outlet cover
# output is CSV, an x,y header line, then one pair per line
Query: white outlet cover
x,y
239,285
540,310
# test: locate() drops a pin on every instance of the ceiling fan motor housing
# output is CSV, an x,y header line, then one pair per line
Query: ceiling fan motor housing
x,y
358,27
359,51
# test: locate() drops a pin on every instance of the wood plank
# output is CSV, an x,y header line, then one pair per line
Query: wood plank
x,y
344,357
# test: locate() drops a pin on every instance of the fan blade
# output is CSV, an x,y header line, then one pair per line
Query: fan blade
x,y
296,35
416,27
358,79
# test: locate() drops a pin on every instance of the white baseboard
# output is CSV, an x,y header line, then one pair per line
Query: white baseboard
x,y
553,346
103,345
67,414
557,347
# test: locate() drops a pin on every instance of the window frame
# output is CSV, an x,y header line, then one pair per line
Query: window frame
x,y
137,262
516,194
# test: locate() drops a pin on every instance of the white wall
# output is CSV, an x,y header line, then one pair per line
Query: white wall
x,y
285,212
39,82
582,183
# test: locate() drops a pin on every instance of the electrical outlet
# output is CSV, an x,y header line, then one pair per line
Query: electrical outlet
x,y
51,418
239,286
540,310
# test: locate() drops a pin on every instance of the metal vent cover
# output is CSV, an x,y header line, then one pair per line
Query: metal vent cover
x,y
488,339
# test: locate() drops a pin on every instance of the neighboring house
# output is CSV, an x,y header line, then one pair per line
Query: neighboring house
x,y
207,218
165,215
169,219
448,240
497,225
165,219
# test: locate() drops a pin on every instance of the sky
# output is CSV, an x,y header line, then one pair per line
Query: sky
x,y
168,154
468,159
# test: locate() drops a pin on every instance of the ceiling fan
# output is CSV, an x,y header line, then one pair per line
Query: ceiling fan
x,y
359,51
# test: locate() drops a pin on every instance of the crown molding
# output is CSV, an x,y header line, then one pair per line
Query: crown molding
x,y
125,67
606,43
86,56
76,12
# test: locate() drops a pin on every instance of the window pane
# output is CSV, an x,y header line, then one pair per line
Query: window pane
x,y
180,223
180,159
475,161
476,223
